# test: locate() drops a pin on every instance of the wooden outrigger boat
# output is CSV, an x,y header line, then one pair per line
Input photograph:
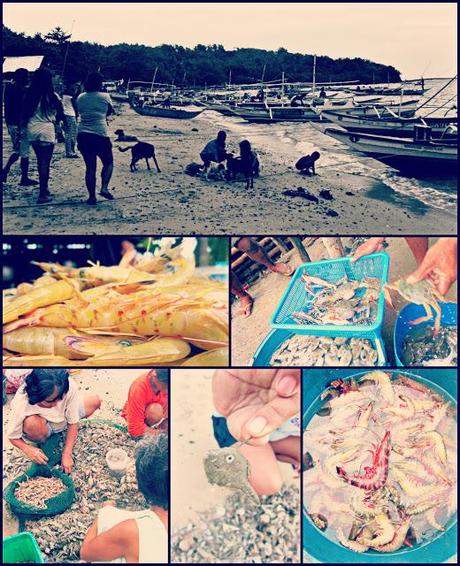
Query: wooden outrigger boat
x,y
416,155
393,126
160,112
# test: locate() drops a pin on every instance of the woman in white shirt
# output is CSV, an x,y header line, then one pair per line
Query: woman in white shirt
x,y
141,537
48,402
42,108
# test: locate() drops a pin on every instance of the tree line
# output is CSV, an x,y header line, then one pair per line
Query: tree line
x,y
183,66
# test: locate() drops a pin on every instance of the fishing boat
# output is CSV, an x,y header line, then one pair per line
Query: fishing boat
x,y
277,114
405,108
418,155
161,112
390,125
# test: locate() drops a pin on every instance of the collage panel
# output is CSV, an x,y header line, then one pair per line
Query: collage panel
x,y
85,465
380,466
344,301
116,301
229,274
235,465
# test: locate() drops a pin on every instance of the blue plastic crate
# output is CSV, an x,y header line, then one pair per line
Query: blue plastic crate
x,y
275,338
296,298
411,312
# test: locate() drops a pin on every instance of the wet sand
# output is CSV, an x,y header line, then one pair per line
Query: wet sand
x,y
269,288
172,202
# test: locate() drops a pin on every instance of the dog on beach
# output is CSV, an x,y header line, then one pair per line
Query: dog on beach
x,y
122,137
140,151
247,164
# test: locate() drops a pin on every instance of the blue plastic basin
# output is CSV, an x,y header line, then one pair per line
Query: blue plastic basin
x,y
275,338
296,298
315,543
412,312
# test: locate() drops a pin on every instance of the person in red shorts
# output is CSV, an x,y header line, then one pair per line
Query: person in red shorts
x,y
146,409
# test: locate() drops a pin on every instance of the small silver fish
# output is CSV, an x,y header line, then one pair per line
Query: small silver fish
x,y
226,467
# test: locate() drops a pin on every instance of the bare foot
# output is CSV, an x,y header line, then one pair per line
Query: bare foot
x,y
246,302
283,269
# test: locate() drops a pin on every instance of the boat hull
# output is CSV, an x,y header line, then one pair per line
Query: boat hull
x,y
387,127
158,112
401,153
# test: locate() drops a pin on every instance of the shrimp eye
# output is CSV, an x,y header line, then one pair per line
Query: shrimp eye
x,y
229,458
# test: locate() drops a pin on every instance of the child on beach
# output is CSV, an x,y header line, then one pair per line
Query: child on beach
x,y
214,151
48,402
146,408
118,535
70,121
306,164
262,409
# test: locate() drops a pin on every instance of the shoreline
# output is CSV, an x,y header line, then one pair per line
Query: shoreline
x,y
172,202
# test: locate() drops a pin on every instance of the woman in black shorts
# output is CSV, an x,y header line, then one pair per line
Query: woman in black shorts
x,y
93,139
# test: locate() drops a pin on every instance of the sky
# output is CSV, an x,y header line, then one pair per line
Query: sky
x,y
416,38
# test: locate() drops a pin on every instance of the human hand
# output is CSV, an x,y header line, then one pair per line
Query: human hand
x,y
256,402
35,454
369,247
439,265
108,503
67,462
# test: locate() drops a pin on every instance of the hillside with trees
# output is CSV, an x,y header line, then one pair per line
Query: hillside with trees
x,y
182,66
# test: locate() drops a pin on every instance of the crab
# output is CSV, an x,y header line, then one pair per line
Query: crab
x,y
420,293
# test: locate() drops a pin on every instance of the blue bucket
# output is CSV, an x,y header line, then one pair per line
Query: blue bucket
x,y
411,312
275,338
315,543
296,298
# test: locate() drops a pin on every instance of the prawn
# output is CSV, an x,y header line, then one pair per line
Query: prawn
x,y
384,381
398,538
351,544
384,532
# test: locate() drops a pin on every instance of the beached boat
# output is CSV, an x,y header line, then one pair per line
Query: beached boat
x,y
160,112
277,114
424,156
391,125
405,108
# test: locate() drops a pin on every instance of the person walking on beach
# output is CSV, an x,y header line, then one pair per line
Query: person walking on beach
x,y
255,251
13,101
214,151
70,121
41,109
93,107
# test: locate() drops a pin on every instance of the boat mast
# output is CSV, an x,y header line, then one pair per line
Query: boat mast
x,y
314,74
153,80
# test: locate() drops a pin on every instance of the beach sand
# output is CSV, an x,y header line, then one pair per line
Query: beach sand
x,y
269,288
172,202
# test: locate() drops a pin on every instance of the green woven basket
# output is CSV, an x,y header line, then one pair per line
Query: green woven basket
x,y
54,505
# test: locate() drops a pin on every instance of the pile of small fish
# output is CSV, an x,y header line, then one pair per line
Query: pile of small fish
x,y
60,537
36,491
381,463
421,347
341,303
301,350
236,532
